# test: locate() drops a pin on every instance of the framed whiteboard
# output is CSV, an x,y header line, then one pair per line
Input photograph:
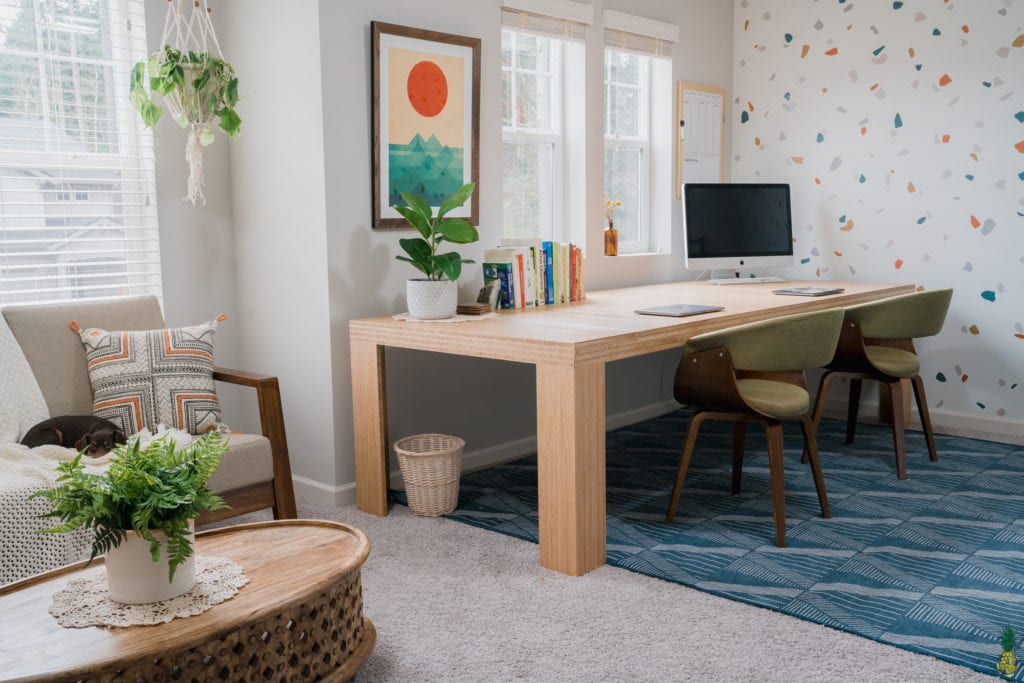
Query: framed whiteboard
x,y
700,143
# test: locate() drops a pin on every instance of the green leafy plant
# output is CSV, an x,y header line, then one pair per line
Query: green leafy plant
x,y
422,251
144,490
205,85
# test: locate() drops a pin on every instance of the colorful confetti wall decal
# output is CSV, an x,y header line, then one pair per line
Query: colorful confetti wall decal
x,y
933,192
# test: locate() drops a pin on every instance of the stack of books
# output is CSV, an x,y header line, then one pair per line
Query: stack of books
x,y
535,272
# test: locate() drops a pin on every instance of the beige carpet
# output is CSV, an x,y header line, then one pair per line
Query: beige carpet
x,y
456,603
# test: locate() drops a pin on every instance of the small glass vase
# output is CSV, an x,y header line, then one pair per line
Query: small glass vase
x,y
611,241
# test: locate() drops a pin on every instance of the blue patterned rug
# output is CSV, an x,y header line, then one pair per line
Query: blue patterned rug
x,y
934,563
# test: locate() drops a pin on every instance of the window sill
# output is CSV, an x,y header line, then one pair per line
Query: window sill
x,y
640,253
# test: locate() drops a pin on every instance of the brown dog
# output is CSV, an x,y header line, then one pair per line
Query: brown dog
x,y
89,434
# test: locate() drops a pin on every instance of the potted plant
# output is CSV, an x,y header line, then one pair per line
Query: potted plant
x,y
436,296
141,510
198,87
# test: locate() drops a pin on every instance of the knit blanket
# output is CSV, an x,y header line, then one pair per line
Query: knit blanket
x,y
23,471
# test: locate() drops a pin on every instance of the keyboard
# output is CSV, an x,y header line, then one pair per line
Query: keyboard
x,y
745,280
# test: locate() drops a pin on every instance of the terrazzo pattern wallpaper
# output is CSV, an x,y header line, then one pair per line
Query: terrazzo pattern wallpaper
x,y
900,127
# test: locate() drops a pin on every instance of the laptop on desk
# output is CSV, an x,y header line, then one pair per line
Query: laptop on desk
x,y
679,310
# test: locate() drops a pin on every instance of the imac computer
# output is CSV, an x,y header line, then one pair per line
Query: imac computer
x,y
737,226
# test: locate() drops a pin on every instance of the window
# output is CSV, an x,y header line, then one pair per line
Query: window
x,y
542,121
77,184
627,145
531,133
638,129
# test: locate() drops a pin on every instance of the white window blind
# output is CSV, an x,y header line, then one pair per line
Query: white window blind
x,y
563,19
630,33
77,184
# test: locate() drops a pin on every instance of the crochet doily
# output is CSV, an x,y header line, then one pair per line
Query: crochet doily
x,y
84,602
457,318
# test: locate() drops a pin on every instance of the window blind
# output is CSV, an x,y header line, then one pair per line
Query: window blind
x,y
77,182
630,33
554,18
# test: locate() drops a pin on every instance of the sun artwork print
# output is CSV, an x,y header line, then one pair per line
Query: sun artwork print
x,y
426,134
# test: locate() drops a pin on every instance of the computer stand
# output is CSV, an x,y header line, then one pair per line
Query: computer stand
x,y
737,279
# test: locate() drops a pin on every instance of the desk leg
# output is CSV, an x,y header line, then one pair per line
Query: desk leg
x,y
370,422
571,467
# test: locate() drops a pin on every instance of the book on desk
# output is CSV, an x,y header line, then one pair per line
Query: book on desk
x,y
534,272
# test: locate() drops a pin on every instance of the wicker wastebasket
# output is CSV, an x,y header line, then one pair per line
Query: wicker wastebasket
x,y
430,465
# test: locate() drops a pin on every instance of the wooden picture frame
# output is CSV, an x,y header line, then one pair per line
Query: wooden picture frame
x,y
702,124
426,119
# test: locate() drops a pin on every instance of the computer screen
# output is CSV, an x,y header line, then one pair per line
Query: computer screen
x,y
734,225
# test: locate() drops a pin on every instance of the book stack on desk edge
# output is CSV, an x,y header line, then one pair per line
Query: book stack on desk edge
x,y
535,272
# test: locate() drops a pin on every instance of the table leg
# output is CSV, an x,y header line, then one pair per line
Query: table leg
x,y
571,466
370,423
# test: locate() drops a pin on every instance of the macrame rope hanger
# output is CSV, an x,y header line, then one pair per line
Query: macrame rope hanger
x,y
191,31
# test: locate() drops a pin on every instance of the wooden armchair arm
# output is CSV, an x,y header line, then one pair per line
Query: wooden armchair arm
x,y
268,394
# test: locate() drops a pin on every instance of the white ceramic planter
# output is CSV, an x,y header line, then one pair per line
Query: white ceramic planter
x,y
431,299
134,578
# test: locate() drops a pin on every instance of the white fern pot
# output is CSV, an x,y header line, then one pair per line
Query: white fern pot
x,y
431,299
134,578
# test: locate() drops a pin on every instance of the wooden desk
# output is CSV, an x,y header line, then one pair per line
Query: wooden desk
x,y
569,344
299,617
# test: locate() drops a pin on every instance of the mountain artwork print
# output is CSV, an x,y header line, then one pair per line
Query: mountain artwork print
x,y
426,127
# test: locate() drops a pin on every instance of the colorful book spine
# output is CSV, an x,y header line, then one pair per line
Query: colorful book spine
x,y
573,274
549,273
502,272
521,280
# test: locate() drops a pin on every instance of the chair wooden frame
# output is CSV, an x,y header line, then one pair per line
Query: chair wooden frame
x,y
719,398
851,357
279,493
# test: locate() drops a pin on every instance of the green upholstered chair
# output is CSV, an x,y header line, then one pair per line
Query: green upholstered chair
x,y
877,343
755,373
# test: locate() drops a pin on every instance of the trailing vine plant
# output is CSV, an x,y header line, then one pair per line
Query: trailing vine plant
x,y
198,87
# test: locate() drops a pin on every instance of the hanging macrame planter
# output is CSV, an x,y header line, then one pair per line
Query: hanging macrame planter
x,y
197,85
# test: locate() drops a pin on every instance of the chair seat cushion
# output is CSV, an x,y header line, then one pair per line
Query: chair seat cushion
x,y
893,362
777,399
248,460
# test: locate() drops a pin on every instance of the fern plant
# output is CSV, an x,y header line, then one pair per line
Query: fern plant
x,y
145,490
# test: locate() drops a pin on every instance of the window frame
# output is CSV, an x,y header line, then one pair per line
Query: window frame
x,y
640,142
553,137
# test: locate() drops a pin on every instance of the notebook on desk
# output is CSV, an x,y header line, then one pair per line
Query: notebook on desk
x,y
809,291
679,310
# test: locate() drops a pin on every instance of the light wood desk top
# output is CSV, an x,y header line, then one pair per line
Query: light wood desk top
x,y
604,327
569,344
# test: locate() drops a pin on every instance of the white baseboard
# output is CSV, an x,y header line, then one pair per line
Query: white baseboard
x,y
319,493
345,494
943,421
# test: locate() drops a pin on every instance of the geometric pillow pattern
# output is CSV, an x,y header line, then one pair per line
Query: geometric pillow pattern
x,y
153,377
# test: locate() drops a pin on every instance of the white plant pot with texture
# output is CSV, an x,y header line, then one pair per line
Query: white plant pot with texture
x,y
431,299
134,578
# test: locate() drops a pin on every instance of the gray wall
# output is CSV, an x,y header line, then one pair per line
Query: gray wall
x,y
300,259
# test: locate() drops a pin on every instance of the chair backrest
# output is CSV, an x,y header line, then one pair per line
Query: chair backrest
x,y
920,314
55,353
789,343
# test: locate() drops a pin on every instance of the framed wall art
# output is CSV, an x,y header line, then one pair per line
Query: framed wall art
x,y
426,119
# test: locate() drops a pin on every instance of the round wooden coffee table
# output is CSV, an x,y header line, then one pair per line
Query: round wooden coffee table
x,y
299,618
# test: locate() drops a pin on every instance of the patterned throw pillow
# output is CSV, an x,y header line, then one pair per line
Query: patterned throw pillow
x,y
155,377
